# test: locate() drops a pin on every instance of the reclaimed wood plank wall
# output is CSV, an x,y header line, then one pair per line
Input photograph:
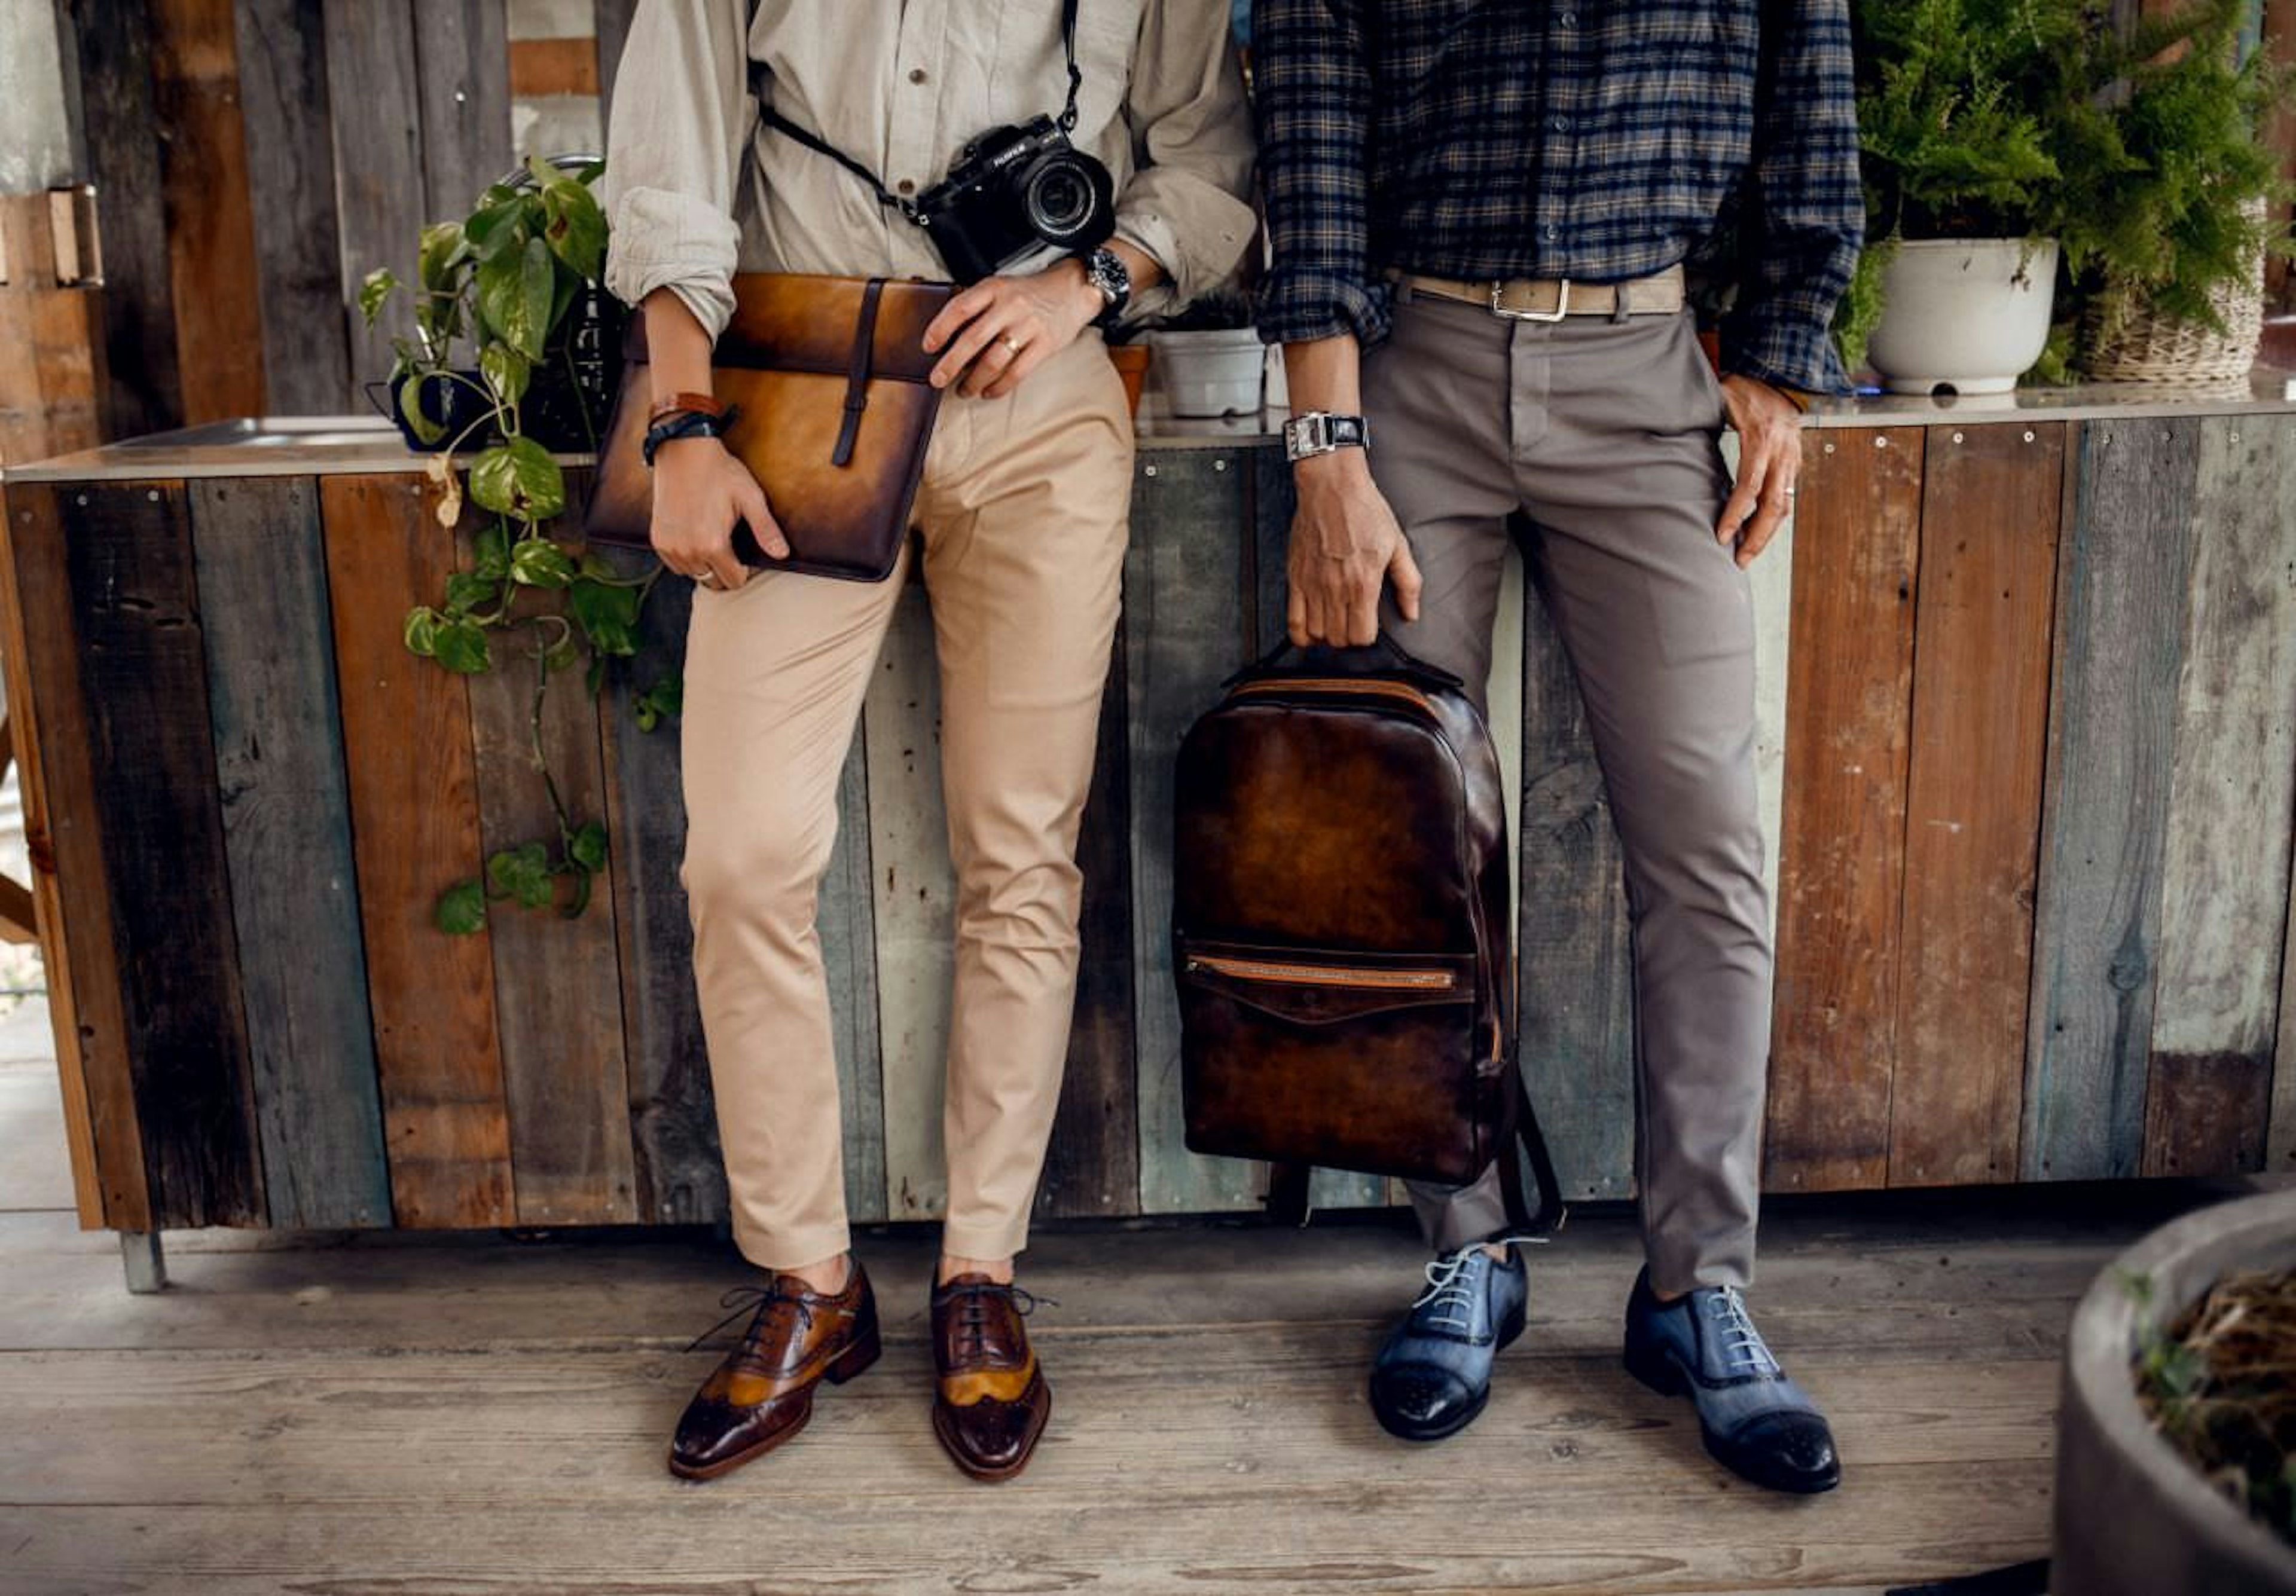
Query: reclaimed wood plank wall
x,y
253,160
2033,849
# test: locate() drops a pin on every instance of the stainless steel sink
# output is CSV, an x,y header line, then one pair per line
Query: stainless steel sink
x,y
270,431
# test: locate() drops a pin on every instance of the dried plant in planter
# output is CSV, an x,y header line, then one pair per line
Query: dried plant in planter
x,y
2219,1383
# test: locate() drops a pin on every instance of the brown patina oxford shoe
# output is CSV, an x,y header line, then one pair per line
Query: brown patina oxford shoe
x,y
991,1401
762,1393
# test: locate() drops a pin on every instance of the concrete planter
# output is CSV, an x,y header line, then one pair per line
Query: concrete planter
x,y
1210,373
2133,1518
1971,316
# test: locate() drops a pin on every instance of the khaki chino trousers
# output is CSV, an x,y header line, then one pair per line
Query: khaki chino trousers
x,y
1598,439
1023,514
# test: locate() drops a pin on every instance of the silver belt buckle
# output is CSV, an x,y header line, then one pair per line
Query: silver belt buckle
x,y
1562,304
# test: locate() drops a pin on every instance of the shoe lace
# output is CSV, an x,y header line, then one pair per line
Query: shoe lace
x,y
760,1302
973,1312
1743,1351
1452,1287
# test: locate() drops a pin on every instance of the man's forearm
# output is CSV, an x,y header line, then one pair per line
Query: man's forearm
x,y
677,346
1324,373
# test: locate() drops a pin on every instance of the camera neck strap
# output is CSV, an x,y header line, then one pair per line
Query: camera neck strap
x,y
819,146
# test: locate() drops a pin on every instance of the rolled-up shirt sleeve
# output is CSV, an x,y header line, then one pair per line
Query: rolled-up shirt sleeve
x,y
1804,211
676,132
1186,205
1314,87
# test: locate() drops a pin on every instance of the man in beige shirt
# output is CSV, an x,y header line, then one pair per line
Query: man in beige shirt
x,y
1022,514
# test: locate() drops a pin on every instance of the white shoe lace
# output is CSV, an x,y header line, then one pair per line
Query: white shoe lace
x,y
1743,1351
1450,1298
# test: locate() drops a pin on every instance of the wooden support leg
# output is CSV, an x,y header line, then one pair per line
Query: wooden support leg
x,y
146,1266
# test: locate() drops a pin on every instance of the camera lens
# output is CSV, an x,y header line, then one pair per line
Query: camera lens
x,y
1059,200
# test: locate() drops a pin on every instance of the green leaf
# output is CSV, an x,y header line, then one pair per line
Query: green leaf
x,y
588,849
444,248
490,550
410,405
493,228
422,631
519,478
660,702
523,872
515,293
538,563
506,372
575,228
594,679
462,909
507,867
467,590
608,616
461,647
376,292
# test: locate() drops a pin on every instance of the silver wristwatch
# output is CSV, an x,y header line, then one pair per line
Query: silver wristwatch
x,y
1314,432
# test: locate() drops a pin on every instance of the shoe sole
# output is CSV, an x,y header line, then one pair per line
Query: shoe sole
x,y
1510,1330
853,1361
1663,1373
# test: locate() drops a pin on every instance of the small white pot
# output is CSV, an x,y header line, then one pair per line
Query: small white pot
x,y
1971,316
1213,373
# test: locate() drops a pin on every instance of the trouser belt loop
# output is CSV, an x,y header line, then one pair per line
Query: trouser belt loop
x,y
1624,305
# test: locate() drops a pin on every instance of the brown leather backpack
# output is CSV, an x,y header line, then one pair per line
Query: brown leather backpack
x,y
1340,930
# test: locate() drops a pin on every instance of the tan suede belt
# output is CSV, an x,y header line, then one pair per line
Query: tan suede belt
x,y
1550,299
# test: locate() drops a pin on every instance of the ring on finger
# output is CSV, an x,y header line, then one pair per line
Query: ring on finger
x,y
1010,343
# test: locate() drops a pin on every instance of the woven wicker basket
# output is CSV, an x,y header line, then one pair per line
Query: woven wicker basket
x,y
2148,346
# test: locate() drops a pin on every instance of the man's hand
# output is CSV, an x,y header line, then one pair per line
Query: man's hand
x,y
1346,546
699,490
1002,327
1768,426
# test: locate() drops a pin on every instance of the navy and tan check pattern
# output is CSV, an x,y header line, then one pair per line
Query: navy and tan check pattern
x,y
1597,140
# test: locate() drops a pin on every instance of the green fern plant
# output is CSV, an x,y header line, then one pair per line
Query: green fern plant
x,y
2167,178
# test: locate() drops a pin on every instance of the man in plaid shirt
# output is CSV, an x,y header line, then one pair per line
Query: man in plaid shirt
x,y
1481,211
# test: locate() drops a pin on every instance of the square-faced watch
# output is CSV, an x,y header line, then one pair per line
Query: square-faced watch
x,y
1314,432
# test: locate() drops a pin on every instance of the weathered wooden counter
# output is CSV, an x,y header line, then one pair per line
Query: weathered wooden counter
x,y
2028,696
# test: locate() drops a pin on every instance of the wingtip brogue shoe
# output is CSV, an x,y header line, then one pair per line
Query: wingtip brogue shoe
x,y
761,1395
990,1399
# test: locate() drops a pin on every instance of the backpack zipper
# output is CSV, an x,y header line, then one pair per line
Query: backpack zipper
x,y
1324,975
1336,685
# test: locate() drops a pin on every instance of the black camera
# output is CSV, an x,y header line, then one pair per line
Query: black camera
x,y
1013,191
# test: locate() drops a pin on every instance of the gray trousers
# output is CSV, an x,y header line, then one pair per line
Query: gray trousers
x,y
1602,436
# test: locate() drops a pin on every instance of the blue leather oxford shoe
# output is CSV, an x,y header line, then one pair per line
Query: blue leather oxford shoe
x,y
1434,1374
1756,1422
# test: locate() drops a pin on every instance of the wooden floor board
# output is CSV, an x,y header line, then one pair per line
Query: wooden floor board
x,y
362,1412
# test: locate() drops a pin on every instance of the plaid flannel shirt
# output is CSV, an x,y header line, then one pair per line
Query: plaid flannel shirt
x,y
1597,140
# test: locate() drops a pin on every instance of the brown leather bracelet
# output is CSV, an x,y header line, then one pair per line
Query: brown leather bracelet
x,y
698,404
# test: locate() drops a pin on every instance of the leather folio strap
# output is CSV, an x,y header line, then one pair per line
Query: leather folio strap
x,y
825,382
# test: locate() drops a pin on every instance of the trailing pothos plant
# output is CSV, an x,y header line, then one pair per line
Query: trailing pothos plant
x,y
506,277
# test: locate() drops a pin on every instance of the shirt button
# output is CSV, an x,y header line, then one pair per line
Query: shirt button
x,y
1561,123
1569,18
906,186
916,74
1550,231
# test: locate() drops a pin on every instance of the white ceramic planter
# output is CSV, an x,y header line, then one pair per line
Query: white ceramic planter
x,y
2133,1518
1211,373
1968,315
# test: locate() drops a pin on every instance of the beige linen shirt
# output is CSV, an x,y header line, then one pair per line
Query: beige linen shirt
x,y
697,187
